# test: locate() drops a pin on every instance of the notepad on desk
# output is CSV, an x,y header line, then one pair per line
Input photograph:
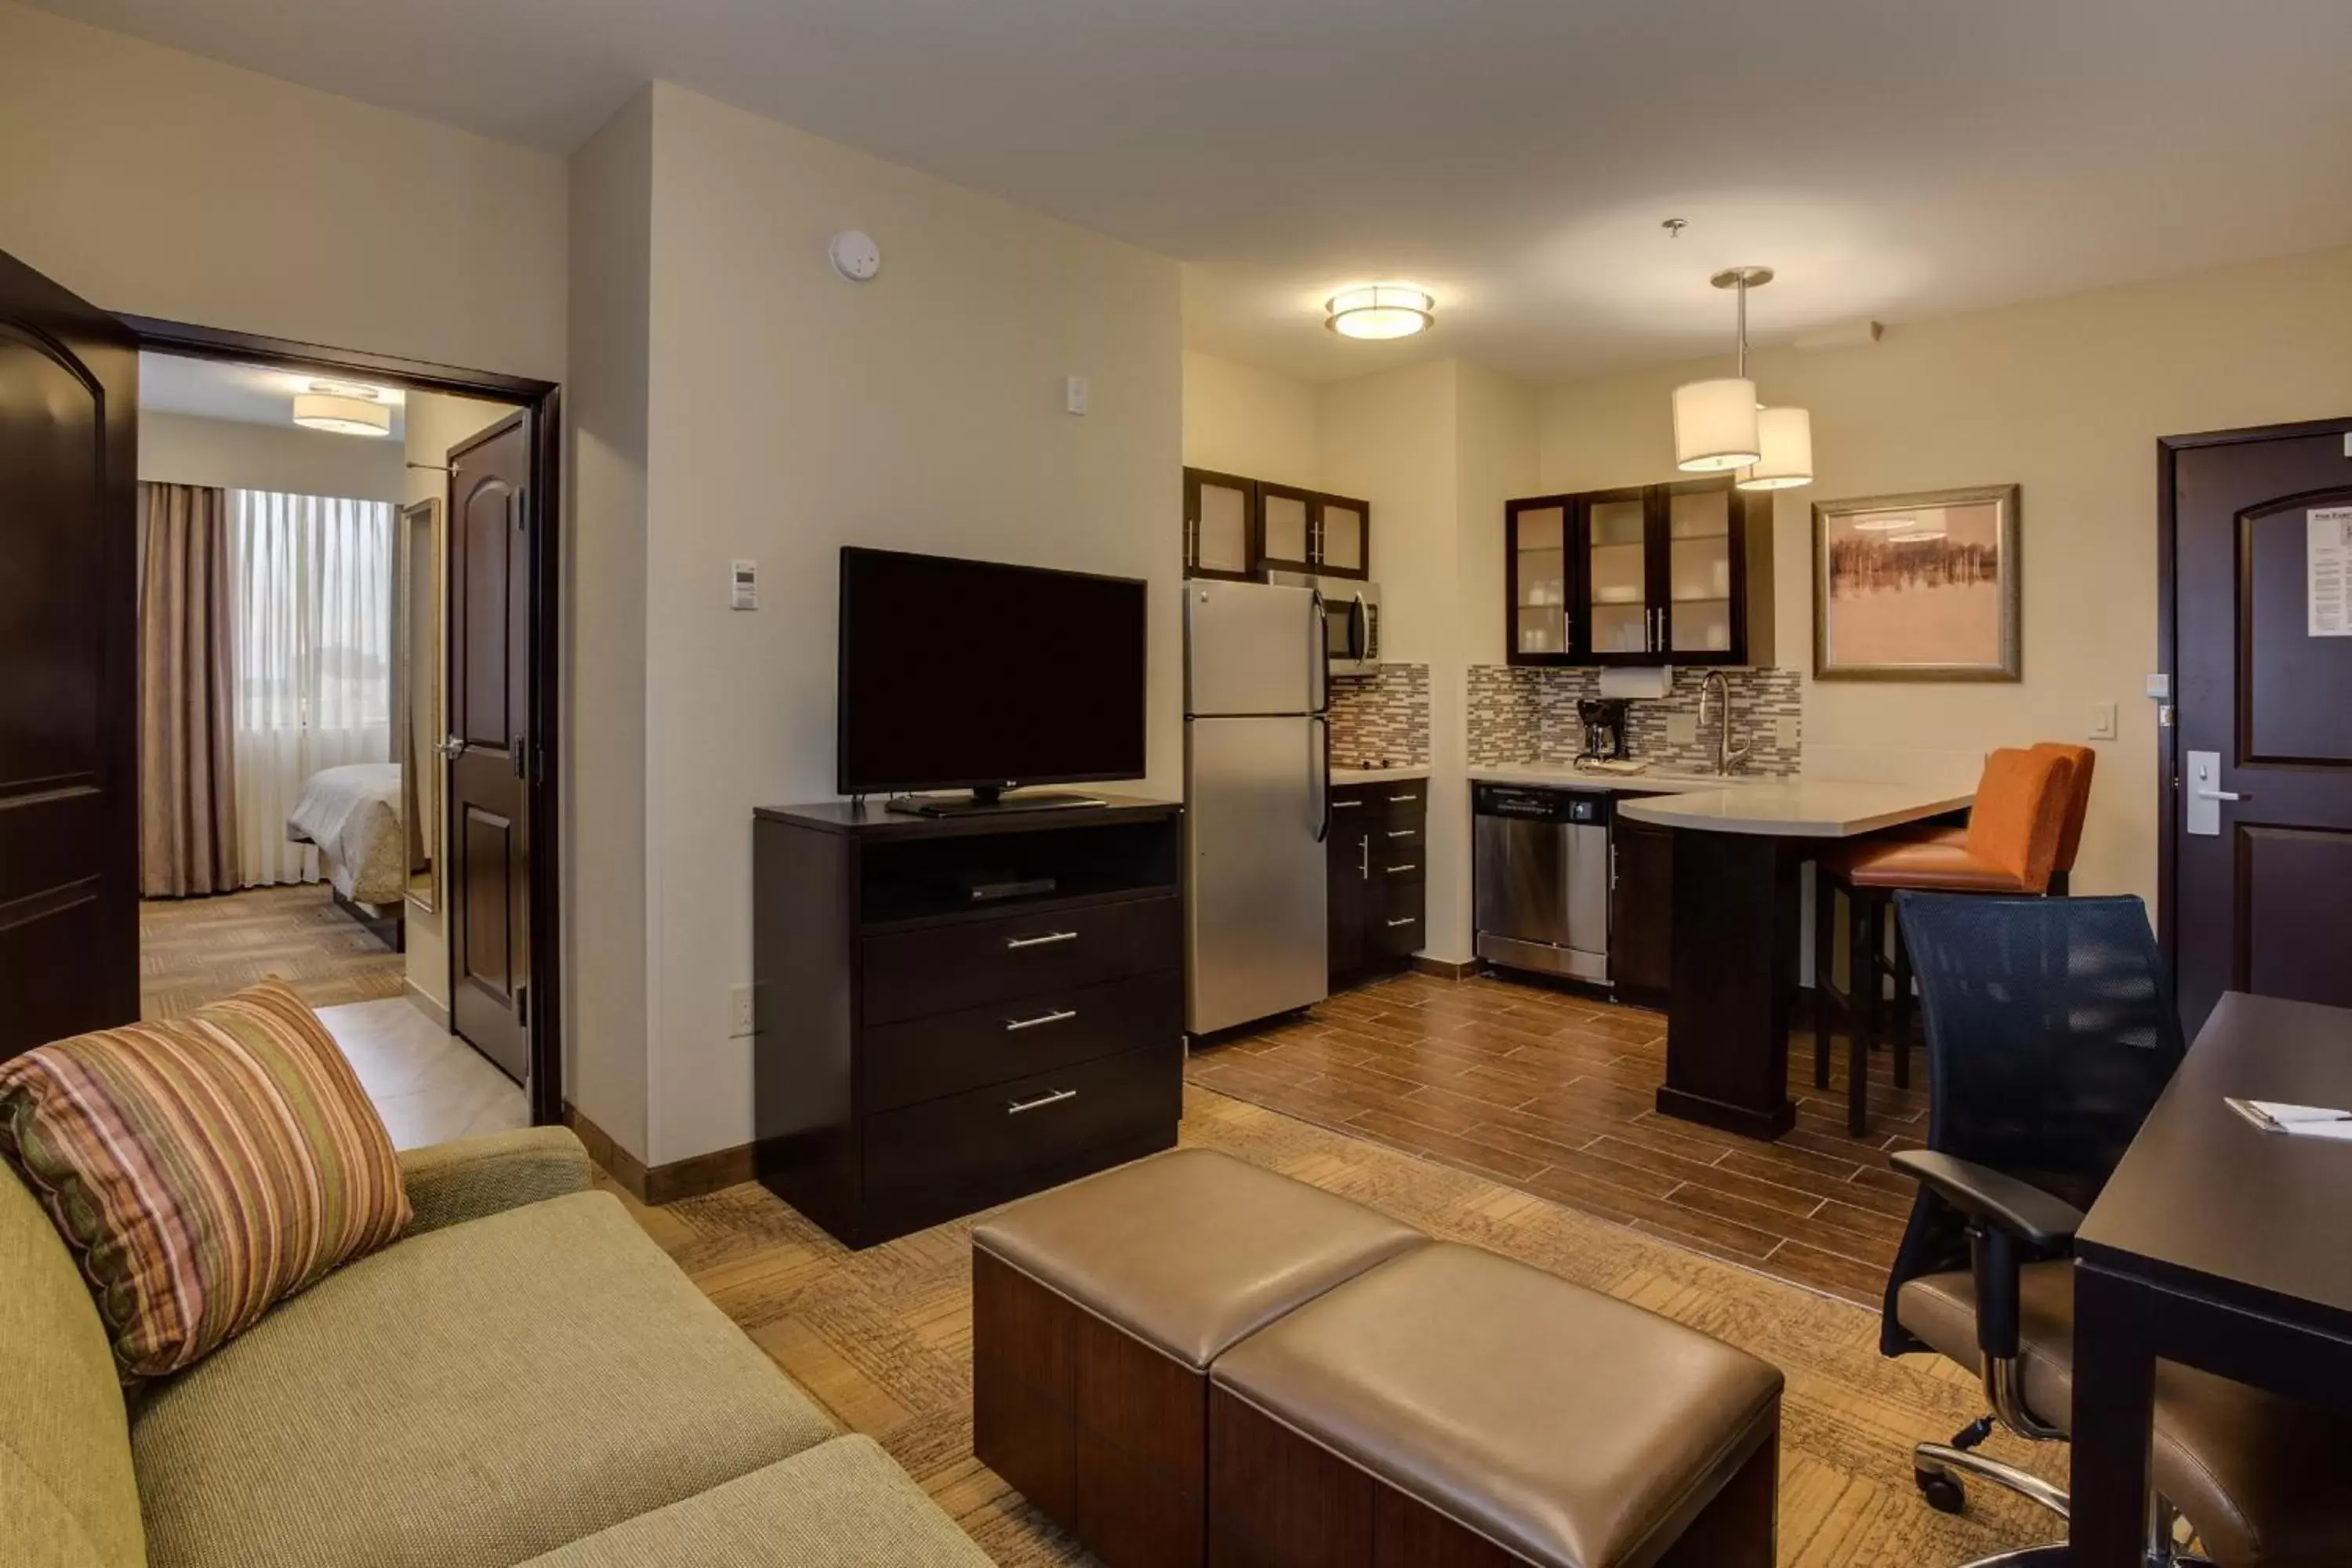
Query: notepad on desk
x,y
2296,1121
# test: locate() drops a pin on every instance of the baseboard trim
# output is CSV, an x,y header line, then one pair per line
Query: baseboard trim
x,y
1444,968
426,1005
659,1185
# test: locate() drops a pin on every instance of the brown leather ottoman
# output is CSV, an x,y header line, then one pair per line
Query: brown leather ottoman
x,y
1455,1407
1097,1309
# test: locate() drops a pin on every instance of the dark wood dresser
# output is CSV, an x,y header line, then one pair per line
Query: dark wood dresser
x,y
924,1052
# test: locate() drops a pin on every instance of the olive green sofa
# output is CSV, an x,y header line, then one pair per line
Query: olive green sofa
x,y
523,1378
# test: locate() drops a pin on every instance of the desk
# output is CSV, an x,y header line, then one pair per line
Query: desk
x,y
1737,925
2215,1245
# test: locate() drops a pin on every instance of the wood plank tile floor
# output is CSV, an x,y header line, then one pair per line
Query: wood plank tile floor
x,y
1552,1093
883,1338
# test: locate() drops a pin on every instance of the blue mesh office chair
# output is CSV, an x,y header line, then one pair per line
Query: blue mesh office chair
x,y
2050,1033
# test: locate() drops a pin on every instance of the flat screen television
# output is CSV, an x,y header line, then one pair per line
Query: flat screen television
x,y
979,675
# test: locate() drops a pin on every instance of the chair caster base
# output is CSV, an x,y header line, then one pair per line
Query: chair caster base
x,y
1940,1492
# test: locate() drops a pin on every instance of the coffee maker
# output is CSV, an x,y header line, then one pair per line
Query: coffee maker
x,y
1604,719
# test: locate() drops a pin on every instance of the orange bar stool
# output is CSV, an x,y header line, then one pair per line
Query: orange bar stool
x,y
2070,834
2010,845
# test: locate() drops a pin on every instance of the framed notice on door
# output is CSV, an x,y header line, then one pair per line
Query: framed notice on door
x,y
2327,571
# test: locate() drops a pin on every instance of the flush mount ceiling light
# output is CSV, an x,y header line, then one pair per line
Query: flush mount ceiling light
x,y
344,409
1720,426
1379,311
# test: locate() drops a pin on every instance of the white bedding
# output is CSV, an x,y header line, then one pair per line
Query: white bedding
x,y
352,815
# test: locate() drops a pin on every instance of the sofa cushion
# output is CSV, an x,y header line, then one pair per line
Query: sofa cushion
x,y
67,1497
470,1396
202,1169
840,1505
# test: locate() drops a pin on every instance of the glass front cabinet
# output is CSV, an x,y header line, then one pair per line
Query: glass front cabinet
x,y
1653,575
1243,529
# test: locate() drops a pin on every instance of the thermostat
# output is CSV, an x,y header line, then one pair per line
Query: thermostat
x,y
855,255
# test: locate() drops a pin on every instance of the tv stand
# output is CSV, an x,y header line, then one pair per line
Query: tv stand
x,y
988,798
958,1010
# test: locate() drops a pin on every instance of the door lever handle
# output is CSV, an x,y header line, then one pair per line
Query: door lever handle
x,y
453,748
2219,794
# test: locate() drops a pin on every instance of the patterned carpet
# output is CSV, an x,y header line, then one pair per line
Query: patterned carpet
x,y
194,951
883,1337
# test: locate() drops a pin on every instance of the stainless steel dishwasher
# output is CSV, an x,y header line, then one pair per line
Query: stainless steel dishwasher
x,y
1540,877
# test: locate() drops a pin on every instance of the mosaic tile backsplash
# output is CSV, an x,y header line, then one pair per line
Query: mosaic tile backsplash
x,y
1518,715
1381,720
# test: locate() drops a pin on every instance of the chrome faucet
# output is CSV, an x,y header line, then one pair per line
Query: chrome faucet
x,y
1728,759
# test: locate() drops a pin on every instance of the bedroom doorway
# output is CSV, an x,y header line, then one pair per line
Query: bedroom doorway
x,y
246,549
397,845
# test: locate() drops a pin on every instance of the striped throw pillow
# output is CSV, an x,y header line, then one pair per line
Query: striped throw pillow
x,y
203,1169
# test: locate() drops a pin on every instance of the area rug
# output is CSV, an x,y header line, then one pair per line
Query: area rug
x,y
884,1338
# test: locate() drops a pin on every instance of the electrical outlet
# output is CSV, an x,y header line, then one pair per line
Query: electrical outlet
x,y
1787,732
2103,721
1681,729
739,1019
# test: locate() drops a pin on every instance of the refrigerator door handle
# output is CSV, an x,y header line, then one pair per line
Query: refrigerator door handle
x,y
1322,755
1318,675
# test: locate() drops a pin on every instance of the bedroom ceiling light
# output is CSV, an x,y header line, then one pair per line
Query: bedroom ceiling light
x,y
1379,311
1719,425
343,408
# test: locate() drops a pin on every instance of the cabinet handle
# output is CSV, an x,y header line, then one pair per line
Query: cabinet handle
x,y
1054,1097
1402,799
1400,871
1407,920
1402,832
1345,805
1010,1025
1364,858
1015,944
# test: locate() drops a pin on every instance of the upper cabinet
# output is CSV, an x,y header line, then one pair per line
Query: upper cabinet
x,y
1243,529
1656,574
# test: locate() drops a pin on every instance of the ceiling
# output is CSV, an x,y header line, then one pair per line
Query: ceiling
x,y
1899,158
250,394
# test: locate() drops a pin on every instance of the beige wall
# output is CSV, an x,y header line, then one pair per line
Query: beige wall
x,y
437,422
237,454
790,412
604,778
161,183
1239,419
2067,397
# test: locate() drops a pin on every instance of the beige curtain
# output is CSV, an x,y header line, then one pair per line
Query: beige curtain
x,y
187,706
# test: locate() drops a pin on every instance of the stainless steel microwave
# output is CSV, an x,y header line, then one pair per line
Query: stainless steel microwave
x,y
1353,615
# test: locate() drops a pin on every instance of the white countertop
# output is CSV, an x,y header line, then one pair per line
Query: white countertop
x,y
1343,775
1799,808
1561,775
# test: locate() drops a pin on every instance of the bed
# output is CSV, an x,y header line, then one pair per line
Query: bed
x,y
352,815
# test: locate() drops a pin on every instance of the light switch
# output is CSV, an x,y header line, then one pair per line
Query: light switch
x,y
1074,394
743,585
2103,721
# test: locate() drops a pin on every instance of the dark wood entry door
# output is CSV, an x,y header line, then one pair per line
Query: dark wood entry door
x,y
2259,823
491,746
68,691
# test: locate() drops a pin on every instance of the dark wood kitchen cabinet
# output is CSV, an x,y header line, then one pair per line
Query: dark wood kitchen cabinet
x,y
1641,909
1651,574
1379,877
1242,529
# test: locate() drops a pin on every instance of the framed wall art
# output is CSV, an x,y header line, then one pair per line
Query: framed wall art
x,y
1918,588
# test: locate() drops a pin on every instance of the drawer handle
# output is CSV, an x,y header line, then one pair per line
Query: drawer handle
x,y
1013,1024
1408,920
1054,1097
1401,799
1402,832
1345,805
1400,870
1015,944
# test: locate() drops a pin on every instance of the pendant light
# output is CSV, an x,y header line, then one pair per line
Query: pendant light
x,y
1719,425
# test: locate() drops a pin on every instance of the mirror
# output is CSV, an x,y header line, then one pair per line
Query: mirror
x,y
416,695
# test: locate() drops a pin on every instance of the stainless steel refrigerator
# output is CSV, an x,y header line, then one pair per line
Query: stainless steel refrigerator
x,y
1257,797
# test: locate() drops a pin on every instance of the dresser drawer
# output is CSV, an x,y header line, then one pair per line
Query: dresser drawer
x,y
980,1135
973,963
922,1058
1353,803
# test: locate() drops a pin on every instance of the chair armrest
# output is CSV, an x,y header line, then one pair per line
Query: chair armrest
x,y
2022,1209
449,1183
